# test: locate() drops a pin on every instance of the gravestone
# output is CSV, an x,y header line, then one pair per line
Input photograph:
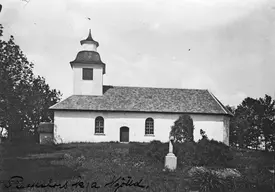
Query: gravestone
x,y
170,158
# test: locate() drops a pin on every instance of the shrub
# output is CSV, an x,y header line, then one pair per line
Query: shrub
x,y
211,152
189,153
206,181
186,153
203,153
183,129
156,142
157,150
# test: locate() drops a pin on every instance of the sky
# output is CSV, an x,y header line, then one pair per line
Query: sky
x,y
225,46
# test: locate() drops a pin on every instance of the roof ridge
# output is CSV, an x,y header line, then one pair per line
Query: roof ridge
x,y
154,87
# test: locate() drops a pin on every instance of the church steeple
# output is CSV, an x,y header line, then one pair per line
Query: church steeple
x,y
89,43
88,69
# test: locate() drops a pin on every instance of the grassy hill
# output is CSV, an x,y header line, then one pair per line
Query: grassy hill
x,y
106,166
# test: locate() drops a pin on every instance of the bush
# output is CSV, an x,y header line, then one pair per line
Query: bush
x,y
183,129
213,153
157,150
153,151
189,153
186,153
203,153
206,181
156,142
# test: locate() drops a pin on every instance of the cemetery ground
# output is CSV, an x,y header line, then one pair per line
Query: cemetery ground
x,y
106,166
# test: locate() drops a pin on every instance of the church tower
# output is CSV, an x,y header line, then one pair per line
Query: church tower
x,y
88,69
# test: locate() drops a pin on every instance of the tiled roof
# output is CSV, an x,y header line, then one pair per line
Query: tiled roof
x,y
146,99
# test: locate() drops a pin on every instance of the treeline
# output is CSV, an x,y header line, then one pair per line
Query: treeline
x,y
24,97
253,124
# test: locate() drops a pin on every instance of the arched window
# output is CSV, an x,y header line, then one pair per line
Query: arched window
x,y
99,125
149,126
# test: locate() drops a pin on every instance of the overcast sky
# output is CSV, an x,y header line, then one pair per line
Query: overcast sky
x,y
226,46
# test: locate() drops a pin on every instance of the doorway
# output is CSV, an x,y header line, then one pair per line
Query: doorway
x,y
124,134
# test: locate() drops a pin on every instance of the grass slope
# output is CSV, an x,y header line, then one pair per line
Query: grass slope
x,y
97,164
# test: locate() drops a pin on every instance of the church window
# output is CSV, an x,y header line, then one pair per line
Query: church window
x,y
149,126
99,125
87,74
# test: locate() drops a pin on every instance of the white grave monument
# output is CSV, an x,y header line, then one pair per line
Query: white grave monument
x,y
170,158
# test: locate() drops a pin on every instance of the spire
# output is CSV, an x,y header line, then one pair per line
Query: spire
x,y
89,36
89,40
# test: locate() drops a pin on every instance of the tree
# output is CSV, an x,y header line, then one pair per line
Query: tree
x,y
266,120
272,137
253,123
24,98
183,129
237,128
40,98
231,109
233,133
248,130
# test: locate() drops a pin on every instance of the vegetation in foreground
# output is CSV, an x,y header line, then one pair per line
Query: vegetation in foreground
x,y
139,164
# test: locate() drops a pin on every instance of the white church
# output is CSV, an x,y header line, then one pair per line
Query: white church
x,y
101,113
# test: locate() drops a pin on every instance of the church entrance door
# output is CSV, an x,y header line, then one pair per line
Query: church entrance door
x,y
124,134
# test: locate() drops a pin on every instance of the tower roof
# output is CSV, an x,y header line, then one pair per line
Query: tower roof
x,y
89,40
88,57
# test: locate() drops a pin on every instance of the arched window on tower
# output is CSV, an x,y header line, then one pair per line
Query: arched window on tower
x,y
149,126
99,125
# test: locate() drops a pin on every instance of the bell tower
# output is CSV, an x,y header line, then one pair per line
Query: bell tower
x,y
88,69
